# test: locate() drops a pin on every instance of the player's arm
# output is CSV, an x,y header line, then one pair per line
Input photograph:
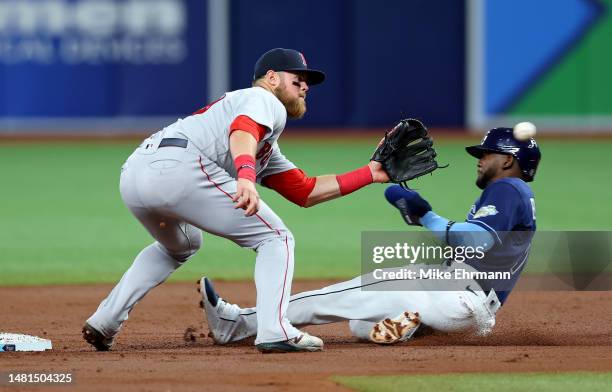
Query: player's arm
x,y
243,139
417,211
458,233
328,187
306,191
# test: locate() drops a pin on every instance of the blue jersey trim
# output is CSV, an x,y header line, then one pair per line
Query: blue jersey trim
x,y
517,267
486,227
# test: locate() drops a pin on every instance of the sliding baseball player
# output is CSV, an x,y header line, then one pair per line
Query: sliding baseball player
x,y
501,222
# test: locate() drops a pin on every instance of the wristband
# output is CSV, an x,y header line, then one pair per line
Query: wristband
x,y
353,180
448,227
245,167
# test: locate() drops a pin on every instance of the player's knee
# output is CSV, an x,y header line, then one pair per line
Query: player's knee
x,y
186,247
195,241
278,237
287,237
284,235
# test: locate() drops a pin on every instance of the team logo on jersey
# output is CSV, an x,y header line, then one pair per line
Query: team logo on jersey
x,y
486,211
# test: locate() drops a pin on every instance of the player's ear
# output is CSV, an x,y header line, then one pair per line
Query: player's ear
x,y
273,78
508,162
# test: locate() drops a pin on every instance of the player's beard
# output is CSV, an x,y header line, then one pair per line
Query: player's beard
x,y
296,107
485,177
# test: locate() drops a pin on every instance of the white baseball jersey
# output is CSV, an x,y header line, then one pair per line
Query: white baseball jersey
x,y
177,191
209,128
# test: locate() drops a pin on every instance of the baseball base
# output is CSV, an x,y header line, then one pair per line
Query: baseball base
x,y
19,342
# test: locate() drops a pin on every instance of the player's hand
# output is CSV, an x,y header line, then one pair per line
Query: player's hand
x,y
378,173
411,205
246,197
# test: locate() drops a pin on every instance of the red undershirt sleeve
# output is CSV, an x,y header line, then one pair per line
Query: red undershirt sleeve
x,y
292,184
245,123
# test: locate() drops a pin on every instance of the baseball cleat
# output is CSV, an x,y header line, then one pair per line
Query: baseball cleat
x,y
221,316
302,342
96,339
395,330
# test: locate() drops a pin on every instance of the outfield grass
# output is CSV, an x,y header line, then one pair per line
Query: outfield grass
x,y
63,220
468,382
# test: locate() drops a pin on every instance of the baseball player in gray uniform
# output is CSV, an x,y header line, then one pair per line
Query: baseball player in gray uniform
x,y
199,174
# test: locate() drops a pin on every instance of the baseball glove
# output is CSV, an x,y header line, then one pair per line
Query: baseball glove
x,y
406,152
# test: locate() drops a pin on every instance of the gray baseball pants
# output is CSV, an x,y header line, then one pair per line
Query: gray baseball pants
x,y
176,193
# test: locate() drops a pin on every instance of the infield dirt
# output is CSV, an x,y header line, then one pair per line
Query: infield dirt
x,y
164,345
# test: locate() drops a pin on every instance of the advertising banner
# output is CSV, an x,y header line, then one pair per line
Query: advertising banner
x,y
543,61
74,63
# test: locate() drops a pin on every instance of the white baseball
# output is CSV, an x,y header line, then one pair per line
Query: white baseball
x,y
524,130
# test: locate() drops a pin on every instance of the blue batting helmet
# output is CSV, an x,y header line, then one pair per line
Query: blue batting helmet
x,y
502,141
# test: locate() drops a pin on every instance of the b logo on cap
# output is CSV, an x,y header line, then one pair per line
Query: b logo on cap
x,y
303,59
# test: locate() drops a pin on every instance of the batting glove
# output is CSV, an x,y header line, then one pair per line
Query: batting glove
x,y
411,205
